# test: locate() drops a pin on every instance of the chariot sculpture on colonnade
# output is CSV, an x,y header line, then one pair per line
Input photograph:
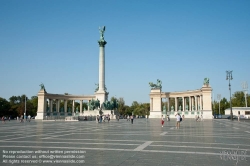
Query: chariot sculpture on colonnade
x,y
157,85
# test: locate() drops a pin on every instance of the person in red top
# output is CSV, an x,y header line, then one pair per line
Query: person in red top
x,y
162,120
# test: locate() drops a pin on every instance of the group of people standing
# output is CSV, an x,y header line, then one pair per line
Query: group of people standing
x,y
130,118
21,119
198,118
103,118
178,120
4,118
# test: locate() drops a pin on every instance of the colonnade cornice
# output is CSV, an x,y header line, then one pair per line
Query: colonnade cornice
x,y
182,94
68,97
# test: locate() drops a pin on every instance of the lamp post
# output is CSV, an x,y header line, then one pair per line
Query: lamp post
x,y
24,106
218,98
230,77
245,89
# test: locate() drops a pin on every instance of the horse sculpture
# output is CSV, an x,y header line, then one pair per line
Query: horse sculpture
x,y
42,86
157,85
206,81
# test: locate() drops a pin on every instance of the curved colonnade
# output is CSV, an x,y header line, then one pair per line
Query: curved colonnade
x,y
187,103
46,100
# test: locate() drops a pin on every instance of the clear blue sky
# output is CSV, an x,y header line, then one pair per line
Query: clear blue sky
x,y
178,42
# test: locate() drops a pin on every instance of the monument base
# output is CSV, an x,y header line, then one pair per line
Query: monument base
x,y
39,115
207,114
111,113
155,114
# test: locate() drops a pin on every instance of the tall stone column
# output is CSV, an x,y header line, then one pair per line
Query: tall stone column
x,y
101,94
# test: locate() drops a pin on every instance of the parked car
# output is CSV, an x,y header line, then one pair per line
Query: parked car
x,y
234,117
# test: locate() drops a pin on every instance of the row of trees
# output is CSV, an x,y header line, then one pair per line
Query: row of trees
x,y
16,105
238,100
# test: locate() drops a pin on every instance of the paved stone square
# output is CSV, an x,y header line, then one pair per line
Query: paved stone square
x,y
210,142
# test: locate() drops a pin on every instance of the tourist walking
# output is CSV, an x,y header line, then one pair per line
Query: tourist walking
x,y
128,118
162,120
198,119
3,120
21,118
178,120
97,118
168,119
132,119
29,118
104,118
108,117
100,118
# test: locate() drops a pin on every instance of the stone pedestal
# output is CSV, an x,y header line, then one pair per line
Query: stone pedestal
x,y
207,102
101,96
155,103
112,113
41,108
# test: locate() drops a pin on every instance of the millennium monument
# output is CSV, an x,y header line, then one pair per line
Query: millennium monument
x,y
56,105
191,104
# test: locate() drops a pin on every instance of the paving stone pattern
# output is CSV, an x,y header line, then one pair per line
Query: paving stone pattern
x,y
144,143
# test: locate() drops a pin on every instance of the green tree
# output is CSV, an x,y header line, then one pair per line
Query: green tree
x,y
4,107
121,106
238,99
224,104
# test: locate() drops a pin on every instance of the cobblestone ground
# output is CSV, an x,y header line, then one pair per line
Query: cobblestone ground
x,y
146,142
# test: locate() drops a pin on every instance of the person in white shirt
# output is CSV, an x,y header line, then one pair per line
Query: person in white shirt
x,y
178,119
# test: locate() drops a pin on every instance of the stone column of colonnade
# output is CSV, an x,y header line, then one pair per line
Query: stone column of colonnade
x,y
51,107
201,102
169,104
189,103
81,107
183,104
176,105
73,107
58,106
65,107
196,106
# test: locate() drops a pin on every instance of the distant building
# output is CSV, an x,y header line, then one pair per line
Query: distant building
x,y
243,111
